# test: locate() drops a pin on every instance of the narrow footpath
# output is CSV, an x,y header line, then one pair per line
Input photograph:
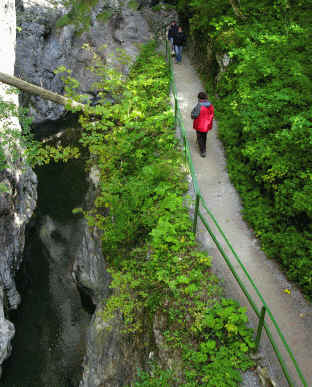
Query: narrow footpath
x,y
291,311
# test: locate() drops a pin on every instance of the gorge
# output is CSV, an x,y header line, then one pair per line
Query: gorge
x,y
54,246
120,289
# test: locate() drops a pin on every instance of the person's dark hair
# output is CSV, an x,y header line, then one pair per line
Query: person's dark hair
x,y
202,95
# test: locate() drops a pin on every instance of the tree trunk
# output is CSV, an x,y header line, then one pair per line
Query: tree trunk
x,y
33,89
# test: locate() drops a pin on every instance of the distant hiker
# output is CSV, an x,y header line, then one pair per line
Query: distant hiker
x,y
202,114
179,41
173,29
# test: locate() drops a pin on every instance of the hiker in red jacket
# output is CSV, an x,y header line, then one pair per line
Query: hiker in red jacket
x,y
202,114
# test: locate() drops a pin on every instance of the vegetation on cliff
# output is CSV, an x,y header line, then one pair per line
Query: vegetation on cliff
x,y
160,277
264,115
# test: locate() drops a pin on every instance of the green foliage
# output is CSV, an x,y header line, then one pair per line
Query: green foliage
x,y
79,14
44,155
105,15
133,4
155,378
158,273
264,114
6,112
71,84
15,143
163,5
18,143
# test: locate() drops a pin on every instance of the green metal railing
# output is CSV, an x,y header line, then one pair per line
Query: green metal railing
x,y
265,310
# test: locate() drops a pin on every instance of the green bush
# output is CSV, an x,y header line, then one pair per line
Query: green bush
x,y
264,116
147,239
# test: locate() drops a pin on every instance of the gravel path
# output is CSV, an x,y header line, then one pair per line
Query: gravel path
x,y
292,312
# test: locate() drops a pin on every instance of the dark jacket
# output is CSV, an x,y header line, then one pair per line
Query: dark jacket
x,y
179,39
202,114
172,31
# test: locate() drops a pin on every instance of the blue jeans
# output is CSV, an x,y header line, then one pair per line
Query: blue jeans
x,y
178,52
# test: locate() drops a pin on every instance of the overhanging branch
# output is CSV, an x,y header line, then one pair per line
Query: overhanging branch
x,y
33,89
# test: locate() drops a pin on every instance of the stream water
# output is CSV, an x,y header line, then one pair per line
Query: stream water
x,y
51,322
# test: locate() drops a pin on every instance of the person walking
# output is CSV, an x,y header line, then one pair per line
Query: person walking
x,y
179,41
202,114
173,29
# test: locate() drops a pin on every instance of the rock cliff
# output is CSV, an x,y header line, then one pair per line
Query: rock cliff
x,y
42,47
18,198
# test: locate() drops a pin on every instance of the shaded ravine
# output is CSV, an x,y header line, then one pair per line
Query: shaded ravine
x,y
293,313
51,322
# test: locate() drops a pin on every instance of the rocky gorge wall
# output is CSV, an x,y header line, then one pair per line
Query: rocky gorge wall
x,y
40,48
18,200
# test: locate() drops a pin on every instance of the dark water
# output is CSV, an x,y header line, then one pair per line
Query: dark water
x,y
51,323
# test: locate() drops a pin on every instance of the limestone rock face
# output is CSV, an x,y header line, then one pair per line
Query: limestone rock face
x,y
6,333
62,242
160,20
18,199
89,268
42,47
112,358
108,361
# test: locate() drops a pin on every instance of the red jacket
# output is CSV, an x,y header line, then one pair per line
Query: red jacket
x,y
203,123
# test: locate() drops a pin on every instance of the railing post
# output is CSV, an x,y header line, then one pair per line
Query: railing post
x,y
175,108
170,69
259,330
196,213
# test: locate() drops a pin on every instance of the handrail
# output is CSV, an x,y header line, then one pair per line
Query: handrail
x,y
199,200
